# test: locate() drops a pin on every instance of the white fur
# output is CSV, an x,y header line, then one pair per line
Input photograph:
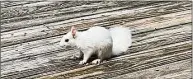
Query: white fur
x,y
100,41
121,39
96,40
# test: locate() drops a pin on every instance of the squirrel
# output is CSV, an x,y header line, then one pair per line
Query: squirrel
x,y
99,41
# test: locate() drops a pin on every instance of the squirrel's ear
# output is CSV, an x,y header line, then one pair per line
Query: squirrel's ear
x,y
73,31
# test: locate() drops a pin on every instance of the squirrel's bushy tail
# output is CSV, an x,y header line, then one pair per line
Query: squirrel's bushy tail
x,y
121,40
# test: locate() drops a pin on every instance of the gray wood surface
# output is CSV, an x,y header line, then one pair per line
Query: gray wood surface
x,y
161,33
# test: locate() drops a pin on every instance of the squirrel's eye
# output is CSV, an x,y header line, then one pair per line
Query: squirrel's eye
x,y
66,40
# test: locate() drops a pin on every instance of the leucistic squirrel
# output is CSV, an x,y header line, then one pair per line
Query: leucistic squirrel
x,y
98,41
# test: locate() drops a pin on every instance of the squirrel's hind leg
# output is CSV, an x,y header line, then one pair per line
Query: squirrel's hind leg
x,y
103,54
96,61
100,57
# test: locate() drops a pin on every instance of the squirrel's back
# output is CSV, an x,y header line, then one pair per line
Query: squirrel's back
x,y
99,37
95,37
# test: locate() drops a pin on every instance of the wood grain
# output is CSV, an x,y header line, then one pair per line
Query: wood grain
x,y
49,56
166,71
128,64
65,14
45,31
26,9
161,39
86,9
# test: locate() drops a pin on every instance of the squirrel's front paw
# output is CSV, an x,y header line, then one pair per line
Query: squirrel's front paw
x,y
82,62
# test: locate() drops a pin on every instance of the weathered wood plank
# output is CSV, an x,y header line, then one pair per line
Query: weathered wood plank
x,y
129,69
64,65
27,54
126,65
105,0
40,32
27,49
82,10
162,72
21,49
18,64
6,4
66,14
186,74
157,40
27,9
161,23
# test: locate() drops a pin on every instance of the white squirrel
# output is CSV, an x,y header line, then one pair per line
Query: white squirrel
x,y
98,41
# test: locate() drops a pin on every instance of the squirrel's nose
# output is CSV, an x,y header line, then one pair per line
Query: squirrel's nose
x,y
61,45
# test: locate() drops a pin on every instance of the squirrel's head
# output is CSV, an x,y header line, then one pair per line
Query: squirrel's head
x,y
69,38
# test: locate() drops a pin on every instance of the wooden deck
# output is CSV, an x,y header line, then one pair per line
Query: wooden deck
x,y
161,33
